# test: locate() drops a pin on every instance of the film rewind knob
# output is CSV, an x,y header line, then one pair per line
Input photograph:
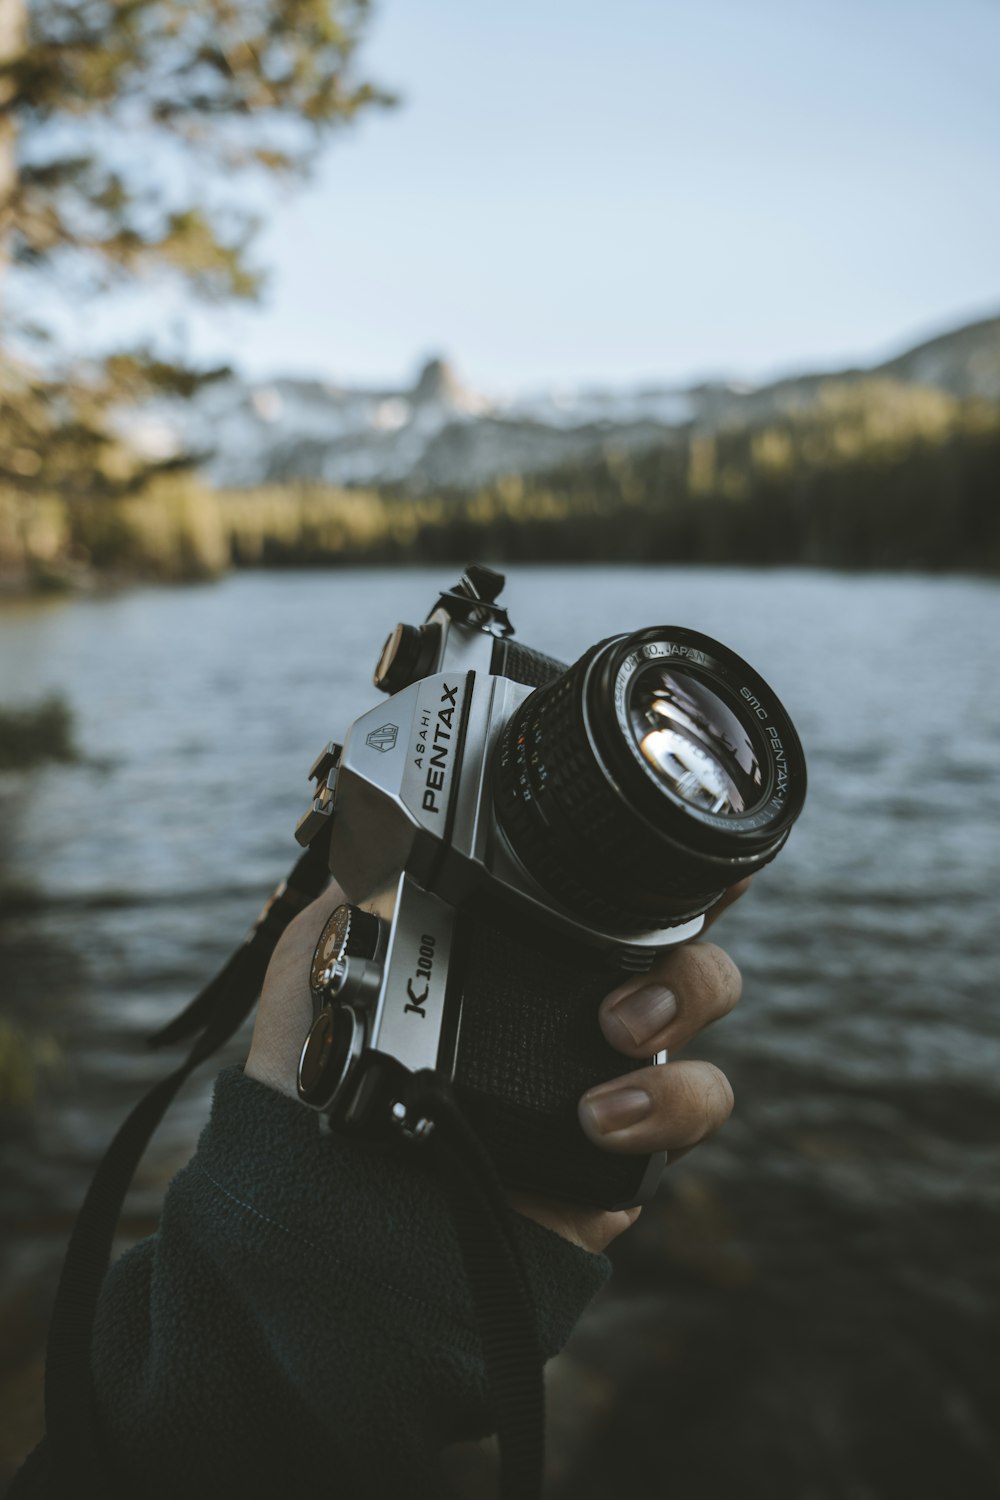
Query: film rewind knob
x,y
410,652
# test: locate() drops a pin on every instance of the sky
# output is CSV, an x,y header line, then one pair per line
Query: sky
x,y
574,193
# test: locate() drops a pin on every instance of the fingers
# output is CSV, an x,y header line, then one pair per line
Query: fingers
x,y
592,1229
284,1014
687,989
733,894
684,991
667,1108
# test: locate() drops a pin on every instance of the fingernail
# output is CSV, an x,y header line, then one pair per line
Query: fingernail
x,y
644,1013
615,1110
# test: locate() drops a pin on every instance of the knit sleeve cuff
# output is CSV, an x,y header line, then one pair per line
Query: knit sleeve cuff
x,y
375,1217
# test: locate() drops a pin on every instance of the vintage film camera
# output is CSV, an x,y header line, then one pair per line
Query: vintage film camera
x,y
515,838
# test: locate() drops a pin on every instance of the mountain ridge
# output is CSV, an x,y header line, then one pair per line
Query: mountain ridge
x,y
438,432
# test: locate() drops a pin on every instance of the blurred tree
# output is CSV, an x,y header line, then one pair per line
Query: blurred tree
x,y
122,124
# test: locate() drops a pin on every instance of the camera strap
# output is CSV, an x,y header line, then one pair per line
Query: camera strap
x,y
429,1116
74,1443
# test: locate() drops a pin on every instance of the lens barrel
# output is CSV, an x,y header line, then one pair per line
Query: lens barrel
x,y
654,773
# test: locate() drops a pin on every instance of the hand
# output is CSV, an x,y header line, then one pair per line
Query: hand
x,y
285,1012
687,1101
669,1108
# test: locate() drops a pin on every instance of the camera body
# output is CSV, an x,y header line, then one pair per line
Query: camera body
x,y
477,939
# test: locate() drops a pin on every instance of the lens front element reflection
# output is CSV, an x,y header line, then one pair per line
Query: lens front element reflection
x,y
694,741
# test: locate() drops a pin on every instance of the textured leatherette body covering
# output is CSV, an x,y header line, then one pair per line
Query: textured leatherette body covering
x,y
529,1046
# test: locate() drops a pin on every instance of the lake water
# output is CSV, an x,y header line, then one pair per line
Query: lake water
x,y
828,1266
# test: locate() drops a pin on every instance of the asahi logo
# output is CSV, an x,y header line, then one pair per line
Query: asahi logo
x,y
383,738
433,746
418,987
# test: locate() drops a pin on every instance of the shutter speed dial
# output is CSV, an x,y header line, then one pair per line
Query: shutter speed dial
x,y
345,978
350,933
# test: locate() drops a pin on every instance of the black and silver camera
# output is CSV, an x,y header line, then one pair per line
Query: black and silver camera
x,y
515,838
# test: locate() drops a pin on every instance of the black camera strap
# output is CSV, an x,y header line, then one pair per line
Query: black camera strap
x,y
430,1116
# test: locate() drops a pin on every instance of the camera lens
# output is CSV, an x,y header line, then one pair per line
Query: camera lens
x,y
655,772
694,741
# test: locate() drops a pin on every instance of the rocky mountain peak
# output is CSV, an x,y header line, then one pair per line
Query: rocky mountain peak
x,y
437,381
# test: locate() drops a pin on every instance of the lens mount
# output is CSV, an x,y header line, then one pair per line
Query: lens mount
x,y
655,772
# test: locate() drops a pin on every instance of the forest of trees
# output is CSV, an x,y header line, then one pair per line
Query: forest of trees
x,y
876,474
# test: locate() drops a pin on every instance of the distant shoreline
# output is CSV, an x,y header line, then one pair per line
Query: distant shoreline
x,y
872,478
17,590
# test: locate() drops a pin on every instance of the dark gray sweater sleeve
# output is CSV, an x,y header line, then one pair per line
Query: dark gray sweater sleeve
x,y
301,1317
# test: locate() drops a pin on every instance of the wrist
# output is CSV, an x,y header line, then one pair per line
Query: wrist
x,y
590,1229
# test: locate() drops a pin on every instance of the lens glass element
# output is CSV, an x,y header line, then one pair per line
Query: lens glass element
x,y
694,740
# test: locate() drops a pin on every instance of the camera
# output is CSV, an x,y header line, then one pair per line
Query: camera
x,y
515,838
